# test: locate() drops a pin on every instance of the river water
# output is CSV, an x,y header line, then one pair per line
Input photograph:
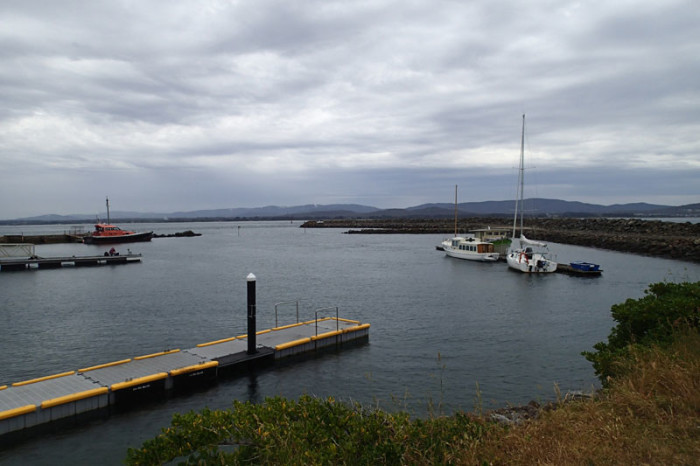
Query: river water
x,y
446,334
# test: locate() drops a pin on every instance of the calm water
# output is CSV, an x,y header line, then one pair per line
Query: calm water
x,y
440,326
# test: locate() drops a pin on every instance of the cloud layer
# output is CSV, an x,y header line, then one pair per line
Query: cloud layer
x,y
169,106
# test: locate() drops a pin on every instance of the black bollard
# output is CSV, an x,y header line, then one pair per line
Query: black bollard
x,y
251,313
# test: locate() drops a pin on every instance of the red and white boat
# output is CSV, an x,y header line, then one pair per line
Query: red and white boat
x,y
106,233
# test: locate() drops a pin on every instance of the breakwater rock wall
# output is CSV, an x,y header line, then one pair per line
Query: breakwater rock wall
x,y
41,239
648,237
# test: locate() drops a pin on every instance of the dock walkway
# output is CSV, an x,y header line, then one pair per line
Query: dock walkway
x,y
36,262
32,403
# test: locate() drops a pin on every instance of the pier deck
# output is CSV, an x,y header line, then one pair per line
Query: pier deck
x,y
68,261
32,403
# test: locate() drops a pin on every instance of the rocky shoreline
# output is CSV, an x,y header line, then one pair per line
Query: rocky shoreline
x,y
671,240
181,234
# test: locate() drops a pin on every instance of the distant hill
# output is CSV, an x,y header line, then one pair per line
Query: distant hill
x,y
540,207
274,211
532,207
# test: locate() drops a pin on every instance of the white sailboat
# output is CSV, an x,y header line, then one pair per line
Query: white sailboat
x,y
468,247
531,256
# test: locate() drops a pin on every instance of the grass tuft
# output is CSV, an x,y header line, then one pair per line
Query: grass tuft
x,y
648,416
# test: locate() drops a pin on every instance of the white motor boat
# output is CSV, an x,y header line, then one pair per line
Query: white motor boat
x,y
470,248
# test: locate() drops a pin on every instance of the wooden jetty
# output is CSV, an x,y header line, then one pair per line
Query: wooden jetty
x,y
74,394
35,262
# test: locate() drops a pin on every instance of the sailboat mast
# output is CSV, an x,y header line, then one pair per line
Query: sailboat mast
x,y
455,210
521,183
108,220
522,175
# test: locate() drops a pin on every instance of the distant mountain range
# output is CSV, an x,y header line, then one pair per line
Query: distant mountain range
x,y
533,207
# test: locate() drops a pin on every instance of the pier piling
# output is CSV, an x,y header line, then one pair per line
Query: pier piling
x,y
251,313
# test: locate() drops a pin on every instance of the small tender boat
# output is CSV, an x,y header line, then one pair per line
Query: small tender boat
x,y
106,233
584,266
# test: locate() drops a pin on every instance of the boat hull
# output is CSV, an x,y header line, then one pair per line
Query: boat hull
x,y
471,256
115,239
535,263
585,266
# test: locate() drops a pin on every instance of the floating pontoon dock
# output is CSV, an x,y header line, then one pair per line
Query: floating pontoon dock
x,y
22,256
69,395
7,265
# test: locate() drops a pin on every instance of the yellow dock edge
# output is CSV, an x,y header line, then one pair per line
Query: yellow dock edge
x,y
319,320
288,326
41,379
321,336
8,413
3,387
346,320
195,367
355,329
138,381
293,343
154,355
74,397
102,366
216,342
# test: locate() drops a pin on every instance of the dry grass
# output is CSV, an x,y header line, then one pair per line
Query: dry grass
x,y
651,416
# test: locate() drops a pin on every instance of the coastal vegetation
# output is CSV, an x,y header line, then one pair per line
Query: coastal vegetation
x,y
646,413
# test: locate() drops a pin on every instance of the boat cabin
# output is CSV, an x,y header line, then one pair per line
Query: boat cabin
x,y
104,229
495,234
471,244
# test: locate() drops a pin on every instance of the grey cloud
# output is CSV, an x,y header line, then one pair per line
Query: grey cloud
x,y
382,103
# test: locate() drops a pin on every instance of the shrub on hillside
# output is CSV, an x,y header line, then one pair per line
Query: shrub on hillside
x,y
651,320
308,431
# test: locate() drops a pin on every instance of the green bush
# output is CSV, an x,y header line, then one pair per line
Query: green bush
x,y
651,320
307,431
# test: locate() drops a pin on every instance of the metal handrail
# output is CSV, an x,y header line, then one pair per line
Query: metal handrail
x,y
337,322
287,302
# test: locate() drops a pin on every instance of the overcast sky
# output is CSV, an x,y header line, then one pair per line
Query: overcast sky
x,y
166,106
